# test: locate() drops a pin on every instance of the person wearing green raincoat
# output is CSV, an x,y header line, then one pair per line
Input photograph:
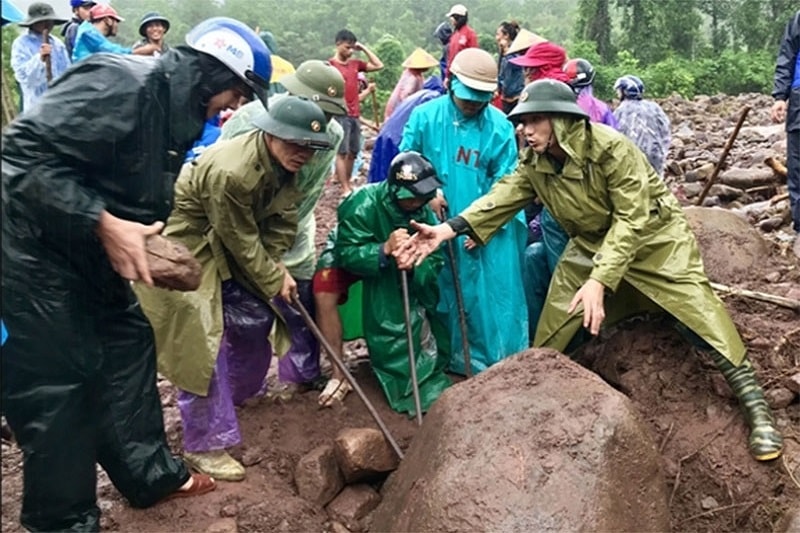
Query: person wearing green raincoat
x,y
324,85
373,222
236,210
630,249
472,145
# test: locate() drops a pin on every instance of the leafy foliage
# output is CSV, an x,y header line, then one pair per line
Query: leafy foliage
x,y
686,46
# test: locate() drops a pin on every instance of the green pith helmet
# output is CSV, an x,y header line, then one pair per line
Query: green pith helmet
x,y
549,97
297,120
320,82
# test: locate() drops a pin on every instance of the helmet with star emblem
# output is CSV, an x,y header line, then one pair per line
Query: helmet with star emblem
x,y
320,82
297,120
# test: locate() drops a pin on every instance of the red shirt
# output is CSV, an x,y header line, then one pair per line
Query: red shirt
x,y
463,37
350,72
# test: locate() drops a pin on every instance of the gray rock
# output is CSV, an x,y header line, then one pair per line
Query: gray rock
x,y
732,250
534,443
364,454
779,397
317,475
352,505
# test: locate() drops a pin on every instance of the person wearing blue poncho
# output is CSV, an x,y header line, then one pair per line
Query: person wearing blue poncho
x,y
388,140
472,145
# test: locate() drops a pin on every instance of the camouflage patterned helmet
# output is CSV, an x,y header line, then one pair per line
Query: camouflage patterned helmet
x,y
297,120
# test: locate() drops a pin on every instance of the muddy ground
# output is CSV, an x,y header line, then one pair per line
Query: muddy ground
x,y
713,483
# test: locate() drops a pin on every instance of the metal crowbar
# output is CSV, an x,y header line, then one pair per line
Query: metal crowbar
x,y
339,363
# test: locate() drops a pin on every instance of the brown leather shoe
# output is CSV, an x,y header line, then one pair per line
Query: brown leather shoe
x,y
202,484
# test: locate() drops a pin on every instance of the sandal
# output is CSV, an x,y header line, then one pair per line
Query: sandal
x,y
335,390
201,484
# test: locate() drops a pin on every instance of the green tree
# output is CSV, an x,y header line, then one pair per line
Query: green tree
x,y
643,29
594,24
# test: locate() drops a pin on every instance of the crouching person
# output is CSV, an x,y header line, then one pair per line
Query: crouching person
x,y
373,223
236,209
630,249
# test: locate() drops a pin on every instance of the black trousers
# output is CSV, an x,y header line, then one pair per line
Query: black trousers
x,y
79,388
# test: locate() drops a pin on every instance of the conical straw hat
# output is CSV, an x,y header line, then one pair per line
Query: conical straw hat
x,y
524,40
420,59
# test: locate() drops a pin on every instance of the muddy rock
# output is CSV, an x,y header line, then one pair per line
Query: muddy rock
x,y
793,383
352,505
364,453
779,397
317,475
225,525
732,250
534,443
789,522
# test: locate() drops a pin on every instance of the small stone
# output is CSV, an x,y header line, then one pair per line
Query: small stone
x,y
793,383
252,456
759,343
720,386
225,525
773,277
709,503
229,511
336,527
779,397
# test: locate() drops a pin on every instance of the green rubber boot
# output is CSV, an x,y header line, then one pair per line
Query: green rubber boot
x,y
766,442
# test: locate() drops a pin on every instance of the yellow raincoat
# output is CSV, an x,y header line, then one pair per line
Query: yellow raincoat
x,y
237,213
626,230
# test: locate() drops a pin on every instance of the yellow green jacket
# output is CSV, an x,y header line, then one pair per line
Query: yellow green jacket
x,y
626,230
236,210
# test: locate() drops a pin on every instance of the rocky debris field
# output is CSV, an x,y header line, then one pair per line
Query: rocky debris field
x,y
312,469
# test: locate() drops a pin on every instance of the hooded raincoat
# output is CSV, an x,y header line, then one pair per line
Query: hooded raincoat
x,y
646,124
78,370
366,219
236,210
627,231
470,155
301,363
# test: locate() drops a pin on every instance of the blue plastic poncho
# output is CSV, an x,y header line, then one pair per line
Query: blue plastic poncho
x,y
469,155
646,124
392,133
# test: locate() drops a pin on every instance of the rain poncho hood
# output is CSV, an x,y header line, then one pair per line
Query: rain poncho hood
x,y
366,219
627,232
646,124
109,134
236,210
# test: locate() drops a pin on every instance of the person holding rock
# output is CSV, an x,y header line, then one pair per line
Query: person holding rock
x,y
236,208
87,176
631,248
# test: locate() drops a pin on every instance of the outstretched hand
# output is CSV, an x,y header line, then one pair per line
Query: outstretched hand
x,y
591,296
423,243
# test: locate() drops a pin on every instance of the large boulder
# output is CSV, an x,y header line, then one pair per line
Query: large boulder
x,y
731,248
535,443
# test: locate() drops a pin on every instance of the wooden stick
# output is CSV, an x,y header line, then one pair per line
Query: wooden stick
x,y
375,116
368,124
778,198
789,303
48,63
723,157
776,166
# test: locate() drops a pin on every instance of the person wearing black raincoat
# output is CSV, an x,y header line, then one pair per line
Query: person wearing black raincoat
x,y
786,92
86,176
630,250
373,222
